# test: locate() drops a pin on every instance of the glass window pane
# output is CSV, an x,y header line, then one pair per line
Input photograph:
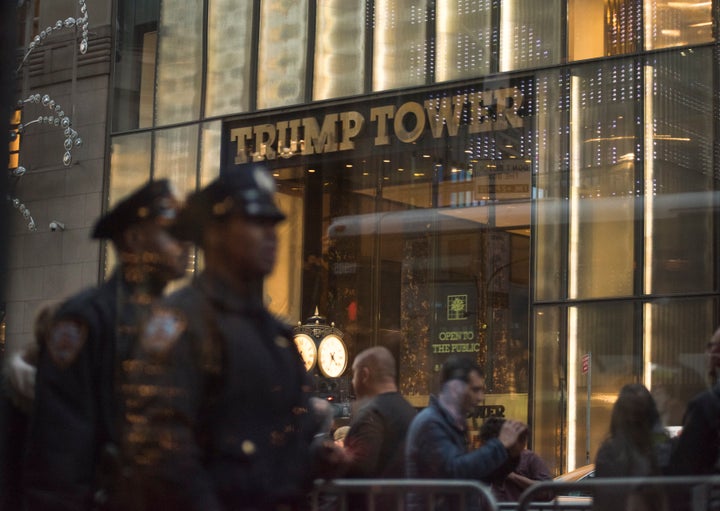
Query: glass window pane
x,y
548,426
179,75
680,251
603,187
677,23
339,49
176,157
597,28
605,332
675,336
228,57
530,37
129,164
134,76
400,48
464,39
282,53
210,152
129,169
550,204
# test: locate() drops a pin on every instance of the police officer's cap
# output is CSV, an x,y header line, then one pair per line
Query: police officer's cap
x,y
247,191
154,200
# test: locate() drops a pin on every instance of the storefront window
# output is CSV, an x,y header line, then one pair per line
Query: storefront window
x,y
530,37
282,53
176,157
134,76
549,380
603,182
676,363
602,356
339,49
550,184
229,56
680,188
598,28
677,23
179,62
465,35
400,46
414,212
129,169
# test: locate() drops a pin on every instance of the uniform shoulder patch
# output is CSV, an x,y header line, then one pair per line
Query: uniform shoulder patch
x,y
162,331
65,341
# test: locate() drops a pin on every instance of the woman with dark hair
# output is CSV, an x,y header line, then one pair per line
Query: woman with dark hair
x,y
634,448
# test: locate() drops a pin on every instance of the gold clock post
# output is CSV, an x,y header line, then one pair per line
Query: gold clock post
x,y
326,358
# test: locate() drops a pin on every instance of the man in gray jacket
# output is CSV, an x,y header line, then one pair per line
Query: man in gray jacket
x,y
437,442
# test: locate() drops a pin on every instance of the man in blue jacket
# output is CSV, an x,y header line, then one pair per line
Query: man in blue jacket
x,y
437,444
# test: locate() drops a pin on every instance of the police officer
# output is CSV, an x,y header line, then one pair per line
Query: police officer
x,y
76,410
223,417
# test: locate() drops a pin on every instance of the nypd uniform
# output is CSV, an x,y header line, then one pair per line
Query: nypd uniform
x,y
75,410
221,418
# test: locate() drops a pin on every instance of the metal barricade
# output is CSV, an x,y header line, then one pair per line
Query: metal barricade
x,y
687,493
350,494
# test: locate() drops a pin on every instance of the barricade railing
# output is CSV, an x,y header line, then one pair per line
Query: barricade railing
x,y
674,493
392,494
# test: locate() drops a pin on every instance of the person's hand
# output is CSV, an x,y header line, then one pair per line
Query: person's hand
x,y
510,432
21,375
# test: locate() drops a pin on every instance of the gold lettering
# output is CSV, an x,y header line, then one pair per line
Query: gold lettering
x,y
416,109
441,112
264,138
320,141
352,123
381,114
241,136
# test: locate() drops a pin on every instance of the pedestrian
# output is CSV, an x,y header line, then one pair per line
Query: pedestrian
x,y
73,431
527,468
375,442
222,416
17,393
698,446
437,444
632,449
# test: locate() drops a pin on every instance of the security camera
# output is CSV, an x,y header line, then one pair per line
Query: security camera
x,y
57,226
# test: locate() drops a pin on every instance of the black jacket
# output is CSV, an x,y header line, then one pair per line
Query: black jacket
x,y
219,406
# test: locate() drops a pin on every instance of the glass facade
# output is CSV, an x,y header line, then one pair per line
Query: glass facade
x,y
533,187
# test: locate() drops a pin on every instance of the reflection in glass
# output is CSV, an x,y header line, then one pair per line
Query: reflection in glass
x,y
129,164
677,23
228,57
179,73
597,28
602,179
134,74
675,365
400,48
339,49
464,39
680,189
210,152
530,37
282,53
176,157
605,332
548,380
550,204
129,169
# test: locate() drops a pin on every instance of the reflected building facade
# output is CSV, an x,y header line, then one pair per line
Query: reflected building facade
x,y
537,188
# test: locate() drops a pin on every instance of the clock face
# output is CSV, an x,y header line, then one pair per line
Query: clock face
x,y
307,349
332,356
